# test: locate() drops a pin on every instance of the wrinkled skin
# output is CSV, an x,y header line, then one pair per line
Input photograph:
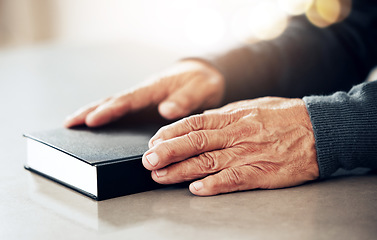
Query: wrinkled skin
x,y
263,143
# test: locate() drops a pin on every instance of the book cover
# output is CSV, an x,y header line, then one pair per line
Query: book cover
x,y
101,163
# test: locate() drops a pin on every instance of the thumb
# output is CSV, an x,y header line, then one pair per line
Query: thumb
x,y
228,180
186,99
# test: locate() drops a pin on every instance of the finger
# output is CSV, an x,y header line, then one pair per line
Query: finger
x,y
192,96
196,167
236,107
228,180
183,147
257,103
78,117
126,102
190,124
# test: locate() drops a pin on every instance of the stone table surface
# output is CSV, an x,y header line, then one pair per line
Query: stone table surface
x,y
39,86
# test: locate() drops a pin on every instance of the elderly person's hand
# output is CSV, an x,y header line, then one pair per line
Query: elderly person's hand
x,y
262,143
185,87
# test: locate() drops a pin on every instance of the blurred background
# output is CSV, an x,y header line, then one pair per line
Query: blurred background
x,y
58,55
184,25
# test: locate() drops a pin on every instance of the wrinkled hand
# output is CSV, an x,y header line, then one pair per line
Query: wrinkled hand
x,y
263,143
182,89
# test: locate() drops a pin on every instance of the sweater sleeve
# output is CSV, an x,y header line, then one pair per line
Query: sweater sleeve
x,y
345,128
305,59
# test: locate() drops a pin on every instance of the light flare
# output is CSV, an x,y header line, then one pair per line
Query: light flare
x,y
263,21
267,21
295,7
205,26
324,13
240,28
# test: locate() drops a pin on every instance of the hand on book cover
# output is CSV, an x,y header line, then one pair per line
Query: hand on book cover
x,y
262,143
187,86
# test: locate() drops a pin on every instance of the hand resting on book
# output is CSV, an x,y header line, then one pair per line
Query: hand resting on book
x,y
262,143
180,90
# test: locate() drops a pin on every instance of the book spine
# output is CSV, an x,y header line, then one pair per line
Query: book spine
x,y
123,178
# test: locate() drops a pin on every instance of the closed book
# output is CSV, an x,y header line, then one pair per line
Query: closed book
x,y
101,163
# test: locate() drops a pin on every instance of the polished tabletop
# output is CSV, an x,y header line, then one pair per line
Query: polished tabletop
x,y
40,85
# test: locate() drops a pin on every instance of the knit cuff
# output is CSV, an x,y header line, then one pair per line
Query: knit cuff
x,y
334,131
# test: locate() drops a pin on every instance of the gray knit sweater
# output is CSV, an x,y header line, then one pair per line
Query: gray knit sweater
x,y
320,65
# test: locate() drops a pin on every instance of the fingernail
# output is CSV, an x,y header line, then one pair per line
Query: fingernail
x,y
197,185
68,121
69,117
155,142
161,172
152,159
169,108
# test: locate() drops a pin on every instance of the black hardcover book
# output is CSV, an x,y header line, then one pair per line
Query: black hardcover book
x,y
101,163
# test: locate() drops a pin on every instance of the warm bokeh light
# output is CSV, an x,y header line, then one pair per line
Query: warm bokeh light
x,y
259,22
186,26
326,12
329,10
267,21
205,26
345,7
240,28
295,7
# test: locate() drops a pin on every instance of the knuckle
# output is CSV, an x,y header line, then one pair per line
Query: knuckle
x,y
207,163
185,101
162,131
228,118
167,150
122,97
117,104
198,140
194,123
234,178
244,130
